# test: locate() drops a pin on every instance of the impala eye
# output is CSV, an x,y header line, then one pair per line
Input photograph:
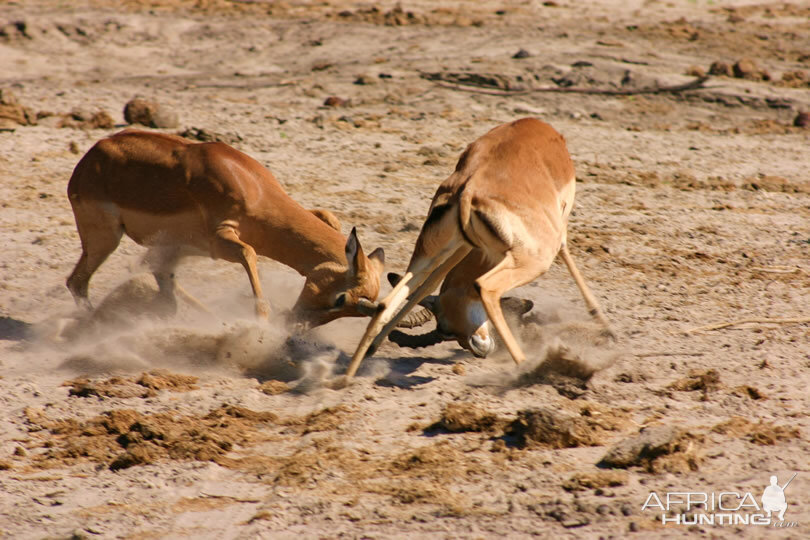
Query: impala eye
x,y
340,300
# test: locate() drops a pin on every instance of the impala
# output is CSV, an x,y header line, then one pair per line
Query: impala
x,y
509,198
181,198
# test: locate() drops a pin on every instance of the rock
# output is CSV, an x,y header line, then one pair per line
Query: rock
x,y
522,53
748,69
149,113
335,101
695,71
721,68
365,80
802,120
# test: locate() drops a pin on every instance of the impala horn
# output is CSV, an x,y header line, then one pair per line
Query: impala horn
x,y
415,318
414,342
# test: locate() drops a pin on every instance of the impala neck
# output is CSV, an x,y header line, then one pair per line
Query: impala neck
x,y
293,236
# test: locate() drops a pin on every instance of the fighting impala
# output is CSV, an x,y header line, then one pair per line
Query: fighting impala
x,y
181,198
508,199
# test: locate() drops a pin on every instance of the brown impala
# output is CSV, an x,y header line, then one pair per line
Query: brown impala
x,y
182,198
509,199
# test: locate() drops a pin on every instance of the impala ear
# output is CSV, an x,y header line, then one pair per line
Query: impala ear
x,y
378,257
393,278
354,253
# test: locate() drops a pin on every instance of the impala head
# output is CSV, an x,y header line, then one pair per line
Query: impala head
x,y
333,290
460,316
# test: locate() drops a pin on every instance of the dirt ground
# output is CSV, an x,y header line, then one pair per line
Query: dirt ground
x,y
693,209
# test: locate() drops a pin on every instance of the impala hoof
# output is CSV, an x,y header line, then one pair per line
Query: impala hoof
x,y
262,310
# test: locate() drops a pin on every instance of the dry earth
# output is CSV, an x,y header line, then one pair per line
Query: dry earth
x,y
693,208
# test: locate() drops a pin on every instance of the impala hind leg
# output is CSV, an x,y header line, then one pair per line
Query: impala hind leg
x,y
228,246
100,233
590,300
507,275
162,261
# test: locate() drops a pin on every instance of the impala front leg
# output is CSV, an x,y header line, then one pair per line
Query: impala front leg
x,y
231,248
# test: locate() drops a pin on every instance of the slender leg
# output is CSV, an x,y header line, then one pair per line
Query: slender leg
x,y
231,248
162,260
590,300
507,275
390,303
100,233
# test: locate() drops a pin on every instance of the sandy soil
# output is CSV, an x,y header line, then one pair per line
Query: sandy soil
x,y
692,209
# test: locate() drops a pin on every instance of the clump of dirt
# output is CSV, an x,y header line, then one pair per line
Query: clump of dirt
x,y
123,438
81,119
704,381
326,419
592,426
750,392
143,386
595,480
461,417
399,17
775,184
657,449
764,433
161,379
441,462
205,135
273,387
12,113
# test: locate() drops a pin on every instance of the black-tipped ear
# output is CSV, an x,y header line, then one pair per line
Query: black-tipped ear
x,y
352,250
393,278
378,255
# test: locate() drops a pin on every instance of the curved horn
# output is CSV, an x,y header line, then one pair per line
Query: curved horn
x,y
416,318
414,342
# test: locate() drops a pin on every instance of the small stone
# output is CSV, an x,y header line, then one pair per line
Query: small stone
x,y
695,71
522,53
335,101
365,80
149,113
721,68
802,120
